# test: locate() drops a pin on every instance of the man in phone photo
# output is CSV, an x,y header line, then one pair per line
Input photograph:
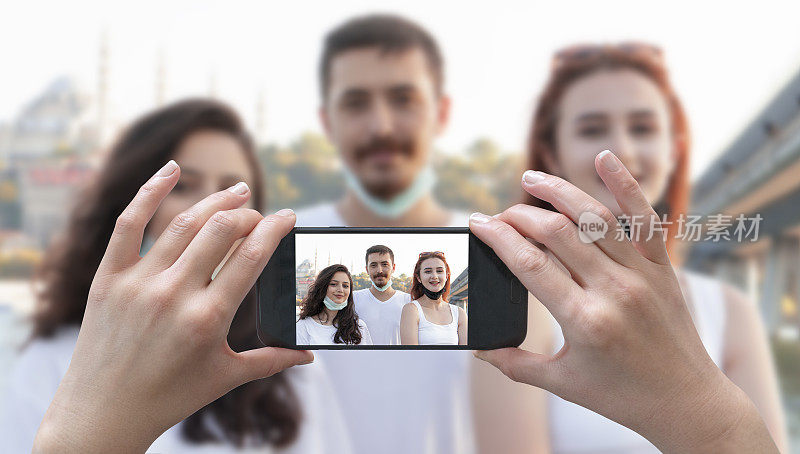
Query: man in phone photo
x,y
380,305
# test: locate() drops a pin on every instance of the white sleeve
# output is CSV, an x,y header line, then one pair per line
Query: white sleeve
x,y
301,333
366,338
31,386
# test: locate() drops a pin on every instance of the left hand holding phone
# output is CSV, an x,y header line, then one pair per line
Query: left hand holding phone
x,y
153,347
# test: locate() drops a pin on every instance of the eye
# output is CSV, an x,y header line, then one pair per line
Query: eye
x,y
356,104
592,131
641,129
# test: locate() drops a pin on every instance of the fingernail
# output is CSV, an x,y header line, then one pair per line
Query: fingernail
x,y
479,218
532,177
284,212
308,361
609,161
168,169
239,188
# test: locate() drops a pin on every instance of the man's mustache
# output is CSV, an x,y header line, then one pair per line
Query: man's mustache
x,y
383,144
375,276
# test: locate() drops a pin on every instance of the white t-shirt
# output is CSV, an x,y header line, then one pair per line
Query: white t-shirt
x,y
382,317
311,332
576,430
435,334
39,369
390,406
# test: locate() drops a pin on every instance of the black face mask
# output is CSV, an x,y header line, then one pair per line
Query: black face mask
x,y
432,295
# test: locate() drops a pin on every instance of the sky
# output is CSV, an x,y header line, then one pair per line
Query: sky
x,y
349,249
726,60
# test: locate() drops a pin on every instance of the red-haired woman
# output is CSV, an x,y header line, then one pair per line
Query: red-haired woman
x,y
429,319
619,98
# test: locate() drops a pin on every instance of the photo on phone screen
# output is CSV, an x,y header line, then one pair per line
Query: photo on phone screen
x,y
388,288
381,289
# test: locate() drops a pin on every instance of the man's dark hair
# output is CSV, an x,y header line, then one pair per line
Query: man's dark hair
x,y
388,32
378,249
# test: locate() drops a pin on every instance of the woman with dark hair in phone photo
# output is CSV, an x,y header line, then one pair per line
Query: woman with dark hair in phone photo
x,y
429,319
328,316
214,151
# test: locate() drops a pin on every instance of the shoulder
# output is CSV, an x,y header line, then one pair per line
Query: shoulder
x,y
304,323
362,324
41,365
361,293
410,309
459,219
404,296
461,311
322,215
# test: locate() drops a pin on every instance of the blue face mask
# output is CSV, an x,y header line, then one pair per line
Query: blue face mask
x,y
401,203
382,289
334,306
147,243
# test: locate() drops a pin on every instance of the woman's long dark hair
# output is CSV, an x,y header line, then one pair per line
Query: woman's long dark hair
x,y
346,320
263,411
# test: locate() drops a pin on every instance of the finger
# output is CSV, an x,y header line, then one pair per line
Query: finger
x,y
126,240
214,241
583,210
183,228
521,365
243,267
556,231
645,234
266,361
537,272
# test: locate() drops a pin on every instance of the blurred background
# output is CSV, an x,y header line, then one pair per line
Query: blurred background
x,y
75,73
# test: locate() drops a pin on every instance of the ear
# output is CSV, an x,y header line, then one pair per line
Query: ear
x,y
324,119
442,113
394,267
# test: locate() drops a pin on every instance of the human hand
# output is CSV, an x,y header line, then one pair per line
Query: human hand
x,y
153,348
631,351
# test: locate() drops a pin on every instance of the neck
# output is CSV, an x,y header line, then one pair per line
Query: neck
x,y
425,213
327,315
429,302
382,295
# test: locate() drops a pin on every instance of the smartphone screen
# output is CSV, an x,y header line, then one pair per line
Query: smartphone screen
x,y
381,289
388,288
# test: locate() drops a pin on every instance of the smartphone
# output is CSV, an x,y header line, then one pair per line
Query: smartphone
x,y
327,288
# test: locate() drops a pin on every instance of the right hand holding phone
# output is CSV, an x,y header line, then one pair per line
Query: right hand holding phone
x,y
631,351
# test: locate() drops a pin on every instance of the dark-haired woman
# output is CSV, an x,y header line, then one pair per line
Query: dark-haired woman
x,y
214,152
328,316
429,319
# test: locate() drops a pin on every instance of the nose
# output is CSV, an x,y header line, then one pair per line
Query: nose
x,y
624,148
381,123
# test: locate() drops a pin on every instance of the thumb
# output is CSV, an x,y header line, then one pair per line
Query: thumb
x,y
520,365
266,361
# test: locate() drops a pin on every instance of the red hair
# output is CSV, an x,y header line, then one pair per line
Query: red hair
x,y
416,284
574,63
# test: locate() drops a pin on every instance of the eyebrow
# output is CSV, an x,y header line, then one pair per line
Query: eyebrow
x,y
591,116
642,113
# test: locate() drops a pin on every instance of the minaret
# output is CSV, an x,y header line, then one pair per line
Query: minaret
x,y
161,79
102,88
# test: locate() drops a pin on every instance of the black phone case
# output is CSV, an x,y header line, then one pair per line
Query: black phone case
x,y
498,302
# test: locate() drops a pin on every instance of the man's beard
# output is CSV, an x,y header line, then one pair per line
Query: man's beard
x,y
384,188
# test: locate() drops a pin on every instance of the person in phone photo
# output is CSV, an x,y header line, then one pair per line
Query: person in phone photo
x,y
328,316
429,319
380,305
